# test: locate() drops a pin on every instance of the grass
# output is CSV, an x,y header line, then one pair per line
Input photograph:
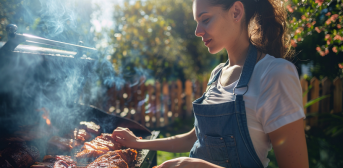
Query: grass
x,y
164,156
178,127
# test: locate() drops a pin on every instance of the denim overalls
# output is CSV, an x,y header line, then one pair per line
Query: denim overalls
x,y
221,129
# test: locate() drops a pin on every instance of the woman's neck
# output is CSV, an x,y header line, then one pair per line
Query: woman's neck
x,y
238,50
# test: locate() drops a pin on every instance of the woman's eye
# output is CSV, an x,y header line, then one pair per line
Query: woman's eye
x,y
204,21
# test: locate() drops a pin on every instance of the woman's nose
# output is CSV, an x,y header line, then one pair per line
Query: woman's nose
x,y
199,31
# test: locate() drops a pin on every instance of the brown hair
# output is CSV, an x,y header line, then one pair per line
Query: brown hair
x,y
266,21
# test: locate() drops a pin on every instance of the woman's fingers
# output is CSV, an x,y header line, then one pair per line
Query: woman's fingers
x,y
119,132
124,136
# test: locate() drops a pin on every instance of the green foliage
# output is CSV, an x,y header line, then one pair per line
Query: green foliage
x,y
164,156
306,91
332,123
273,162
7,12
311,102
159,36
317,33
324,151
179,126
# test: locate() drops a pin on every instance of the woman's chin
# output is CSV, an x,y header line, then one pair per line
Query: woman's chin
x,y
213,50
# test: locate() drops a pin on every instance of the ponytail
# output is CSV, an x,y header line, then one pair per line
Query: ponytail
x,y
271,34
266,21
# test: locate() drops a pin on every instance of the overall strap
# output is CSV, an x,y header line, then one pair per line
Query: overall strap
x,y
248,67
247,71
244,79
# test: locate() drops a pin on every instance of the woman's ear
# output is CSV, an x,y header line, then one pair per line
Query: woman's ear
x,y
237,10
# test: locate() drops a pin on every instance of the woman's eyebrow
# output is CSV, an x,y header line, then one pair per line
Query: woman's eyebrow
x,y
201,14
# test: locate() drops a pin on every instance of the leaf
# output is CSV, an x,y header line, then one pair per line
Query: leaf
x,y
337,132
310,103
306,91
338,117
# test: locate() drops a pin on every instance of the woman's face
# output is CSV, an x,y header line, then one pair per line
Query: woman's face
x,y
217,27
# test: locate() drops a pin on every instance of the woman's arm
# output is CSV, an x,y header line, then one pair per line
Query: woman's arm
x,y
178,143
186,162
289,145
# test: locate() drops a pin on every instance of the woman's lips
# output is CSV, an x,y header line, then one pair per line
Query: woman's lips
x,y
207,42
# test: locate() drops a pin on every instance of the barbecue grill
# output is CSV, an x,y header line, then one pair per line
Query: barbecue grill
x,y
17,112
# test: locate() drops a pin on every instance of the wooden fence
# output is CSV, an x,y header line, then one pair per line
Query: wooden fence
x,y
331,104
158,104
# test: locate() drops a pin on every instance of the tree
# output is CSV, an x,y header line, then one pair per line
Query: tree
x,y
159,36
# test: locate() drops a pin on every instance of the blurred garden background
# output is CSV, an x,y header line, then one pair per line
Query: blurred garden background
x,y
152,41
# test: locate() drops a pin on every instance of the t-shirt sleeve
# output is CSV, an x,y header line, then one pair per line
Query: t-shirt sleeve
x,y
280,99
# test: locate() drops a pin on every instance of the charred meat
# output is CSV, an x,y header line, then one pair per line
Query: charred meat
x,y
63,144
115,159
98,146
55,161
64,162
18,155
90,127
81,135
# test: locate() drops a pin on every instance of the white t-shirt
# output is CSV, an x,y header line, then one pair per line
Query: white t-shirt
x,y
274,99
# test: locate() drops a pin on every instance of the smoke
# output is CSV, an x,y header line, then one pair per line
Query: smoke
x,y
31,81
56,13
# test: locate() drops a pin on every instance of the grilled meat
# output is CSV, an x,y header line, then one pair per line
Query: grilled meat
x,y
98,146
4,163
63,144
129,155
64,162
90,127
55,161
109,161
18,155
115,159
82,135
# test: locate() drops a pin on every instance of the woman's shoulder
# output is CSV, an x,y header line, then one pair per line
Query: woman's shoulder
x,y
272,61
275,66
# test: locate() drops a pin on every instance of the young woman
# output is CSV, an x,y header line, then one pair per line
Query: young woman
x,y
253,101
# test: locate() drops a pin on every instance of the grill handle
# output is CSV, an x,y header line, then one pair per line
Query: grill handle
x,y
14,39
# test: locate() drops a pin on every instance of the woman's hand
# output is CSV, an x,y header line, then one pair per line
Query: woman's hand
x,y
186,162
125,137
